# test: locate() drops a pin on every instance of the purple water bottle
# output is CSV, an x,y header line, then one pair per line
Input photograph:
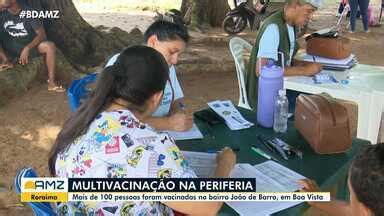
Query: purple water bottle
x,y
271,80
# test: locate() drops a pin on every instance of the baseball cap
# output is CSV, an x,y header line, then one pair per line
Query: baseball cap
x,y
315,3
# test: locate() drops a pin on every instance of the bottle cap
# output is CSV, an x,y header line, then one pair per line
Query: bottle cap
x,y
282,92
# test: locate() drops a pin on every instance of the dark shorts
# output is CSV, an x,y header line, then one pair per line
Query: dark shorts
x,y
13,51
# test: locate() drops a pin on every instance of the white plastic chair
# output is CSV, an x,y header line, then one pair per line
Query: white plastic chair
x,y
237,46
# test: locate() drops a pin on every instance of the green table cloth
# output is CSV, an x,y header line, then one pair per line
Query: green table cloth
x,y
326,170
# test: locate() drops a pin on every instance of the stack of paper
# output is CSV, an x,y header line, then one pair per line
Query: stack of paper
x,y
193,133
232,117
332,64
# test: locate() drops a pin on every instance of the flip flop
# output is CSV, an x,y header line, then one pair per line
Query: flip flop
x,y
58,89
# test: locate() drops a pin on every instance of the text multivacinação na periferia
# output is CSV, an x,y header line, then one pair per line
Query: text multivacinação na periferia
x,y
162,186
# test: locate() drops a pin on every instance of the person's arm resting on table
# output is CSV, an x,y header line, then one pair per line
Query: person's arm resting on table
x,y
268,48
334,207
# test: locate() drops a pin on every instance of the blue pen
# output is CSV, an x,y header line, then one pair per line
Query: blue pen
x,y
181,106
314,59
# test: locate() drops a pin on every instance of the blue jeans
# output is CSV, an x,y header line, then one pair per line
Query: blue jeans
x,y
363,5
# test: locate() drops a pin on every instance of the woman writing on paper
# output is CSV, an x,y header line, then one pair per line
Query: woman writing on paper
x,y
169,37
106,138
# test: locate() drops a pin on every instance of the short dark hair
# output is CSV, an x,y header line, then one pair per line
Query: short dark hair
x,y
366,176
167,31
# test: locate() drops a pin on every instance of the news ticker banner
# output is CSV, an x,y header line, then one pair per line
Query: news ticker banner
x,y
154,189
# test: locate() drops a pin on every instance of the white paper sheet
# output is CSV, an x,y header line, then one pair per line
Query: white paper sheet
x,y
260,208
193,133
270,177
263,183
280,175
204,164
233,118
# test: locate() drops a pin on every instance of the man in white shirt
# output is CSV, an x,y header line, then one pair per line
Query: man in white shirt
x,y
296,14
278,34
170,39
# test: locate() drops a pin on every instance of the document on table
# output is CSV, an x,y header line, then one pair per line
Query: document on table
x,y
204,164
193,133
233,118
281,176
270,177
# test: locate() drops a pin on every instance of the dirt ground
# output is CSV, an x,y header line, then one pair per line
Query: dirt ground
x,y
206,71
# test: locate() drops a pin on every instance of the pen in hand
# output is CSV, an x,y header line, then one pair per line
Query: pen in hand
x,y
182,106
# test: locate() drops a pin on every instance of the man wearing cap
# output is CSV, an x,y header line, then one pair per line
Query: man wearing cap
x,y
278,34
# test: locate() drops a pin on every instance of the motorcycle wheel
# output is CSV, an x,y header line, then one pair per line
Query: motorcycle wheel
x,y
234,24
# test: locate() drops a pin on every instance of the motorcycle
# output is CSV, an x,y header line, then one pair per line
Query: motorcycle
x,y
236,19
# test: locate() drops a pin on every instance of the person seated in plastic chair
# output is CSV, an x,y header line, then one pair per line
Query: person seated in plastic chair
x,y
365,183
108,139
278,34
170,39
22,38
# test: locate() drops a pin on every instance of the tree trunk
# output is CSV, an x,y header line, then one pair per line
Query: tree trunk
x,y
80,47
206,12
185,4
80,42
217,10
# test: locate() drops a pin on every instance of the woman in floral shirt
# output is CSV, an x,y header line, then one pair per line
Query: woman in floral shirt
x,y
107,138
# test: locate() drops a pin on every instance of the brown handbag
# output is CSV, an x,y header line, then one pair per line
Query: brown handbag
x,y
323,122
329,47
